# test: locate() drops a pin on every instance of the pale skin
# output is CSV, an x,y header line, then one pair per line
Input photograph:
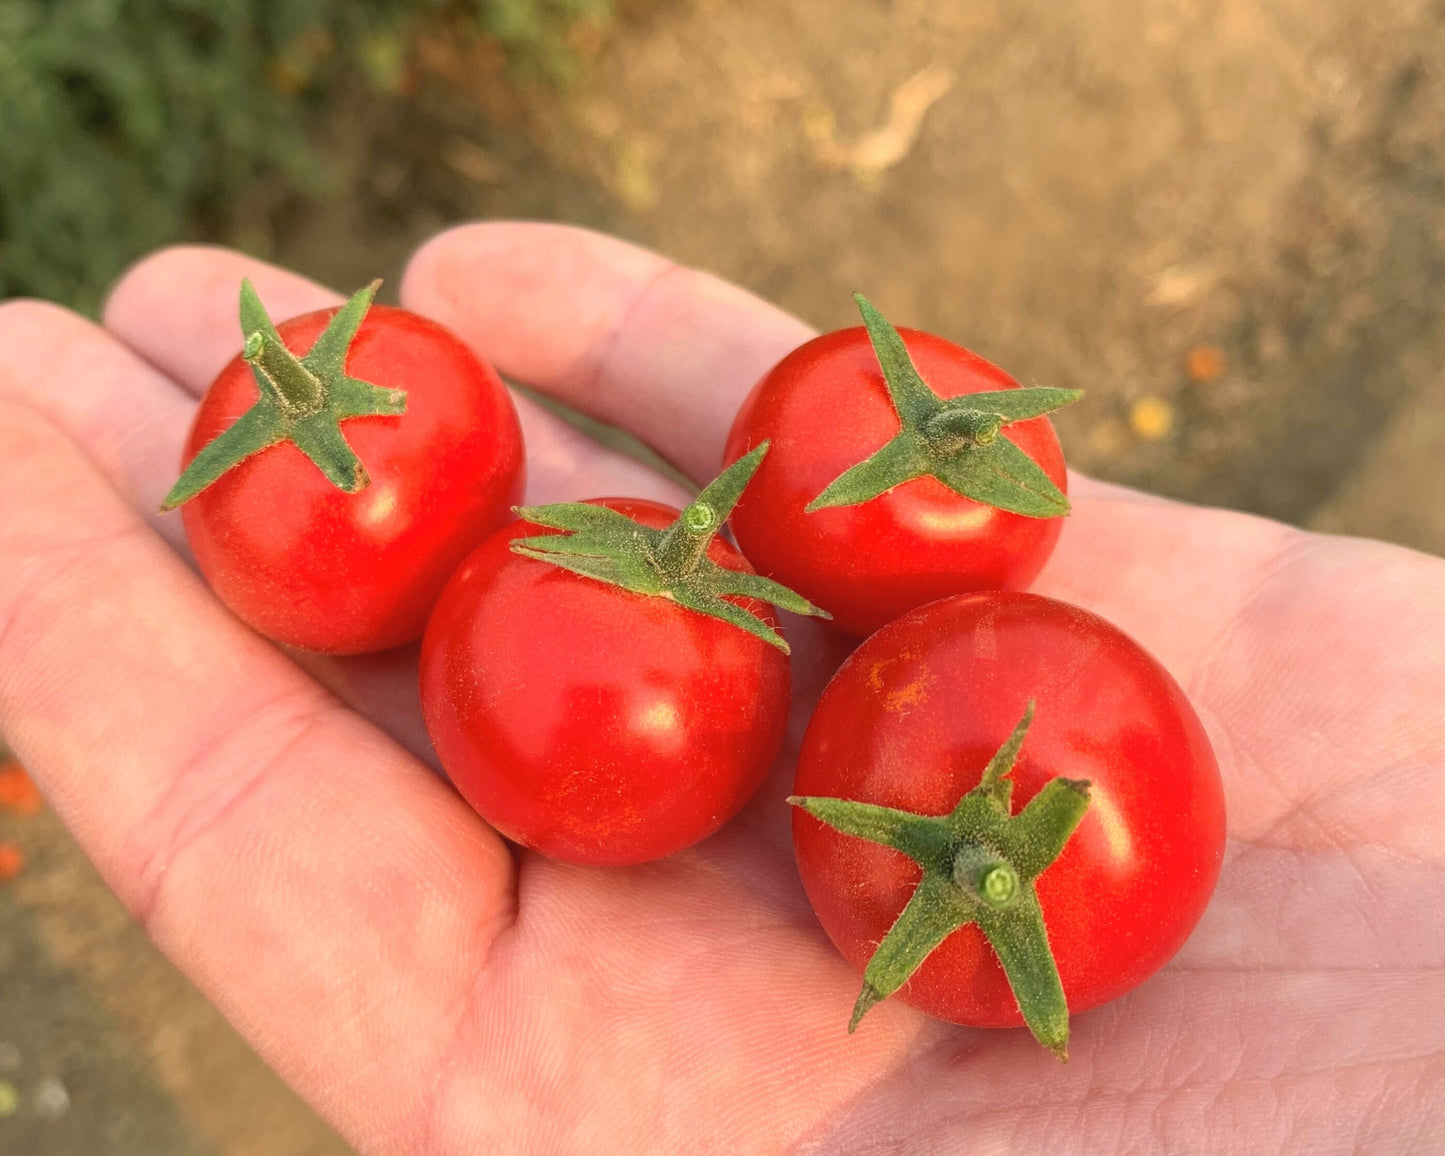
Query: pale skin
x,y
431,990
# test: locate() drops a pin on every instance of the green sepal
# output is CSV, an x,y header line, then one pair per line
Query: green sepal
x,y
302,400
767,590
913,397
254,318
979,865
994,785
254,430
936,909
712,604
1018,936
578,517
604,569
901,460
1002,475
605,545
1022,404
956,440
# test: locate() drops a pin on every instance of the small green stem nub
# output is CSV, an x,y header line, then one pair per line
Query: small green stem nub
x,y
985,876
950,430
700,517
295,387
999,885
686,541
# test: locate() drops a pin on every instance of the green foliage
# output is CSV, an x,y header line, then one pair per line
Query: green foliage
x,y
121,120
536,29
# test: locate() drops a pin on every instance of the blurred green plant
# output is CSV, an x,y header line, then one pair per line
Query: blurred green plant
x,y
123,121
535,31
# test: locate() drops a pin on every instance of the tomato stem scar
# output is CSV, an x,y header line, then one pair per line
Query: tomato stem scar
x,y
953,429
984,875
686,540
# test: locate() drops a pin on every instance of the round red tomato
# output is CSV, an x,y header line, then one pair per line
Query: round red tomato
x,y
826,408
313,566
591,723
911,720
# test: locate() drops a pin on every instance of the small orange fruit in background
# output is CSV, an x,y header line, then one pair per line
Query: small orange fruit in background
x,y
18,794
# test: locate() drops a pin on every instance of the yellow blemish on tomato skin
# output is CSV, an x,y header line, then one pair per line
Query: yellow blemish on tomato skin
x,y
906,697
875,672
901,698
661,722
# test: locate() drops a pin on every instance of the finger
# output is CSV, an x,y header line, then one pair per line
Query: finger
x,y
195,289
130,419
205,774
178,308
616,331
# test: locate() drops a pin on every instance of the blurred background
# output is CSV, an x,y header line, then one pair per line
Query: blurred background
x,y
1224,219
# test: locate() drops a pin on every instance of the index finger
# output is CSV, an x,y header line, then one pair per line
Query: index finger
x,y
616,331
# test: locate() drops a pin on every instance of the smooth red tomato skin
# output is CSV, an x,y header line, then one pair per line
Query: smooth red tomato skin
x,y
826,408
311,566
590,723
911,719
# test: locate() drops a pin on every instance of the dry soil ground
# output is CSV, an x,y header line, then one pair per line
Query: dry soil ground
x,y
1225,219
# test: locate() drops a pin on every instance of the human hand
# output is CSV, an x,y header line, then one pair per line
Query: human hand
x,y
430,989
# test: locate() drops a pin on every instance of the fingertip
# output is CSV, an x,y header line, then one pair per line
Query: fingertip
x,y
26,321
177,307
503,284
137,286
612,329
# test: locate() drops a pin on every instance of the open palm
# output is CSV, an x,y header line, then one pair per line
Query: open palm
x,y
429,989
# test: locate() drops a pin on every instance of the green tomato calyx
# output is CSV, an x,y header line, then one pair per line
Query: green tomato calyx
x,y
608,546
956,440
303,400
979,865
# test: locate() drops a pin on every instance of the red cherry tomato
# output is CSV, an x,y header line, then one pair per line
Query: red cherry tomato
x,y
591,723
911,720
307,564
826,408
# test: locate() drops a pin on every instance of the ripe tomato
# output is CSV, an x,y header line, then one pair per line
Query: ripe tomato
x,y
826,408
592,723
308,564
910,721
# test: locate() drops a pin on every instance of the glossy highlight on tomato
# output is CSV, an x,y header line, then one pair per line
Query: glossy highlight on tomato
x,y
312,566
910,721
826,407
592,723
